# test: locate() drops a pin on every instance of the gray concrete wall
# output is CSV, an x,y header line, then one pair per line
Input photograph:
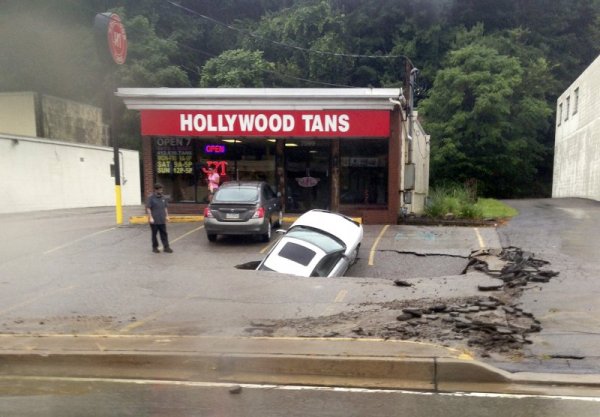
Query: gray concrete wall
x,y
17,114
53,118
577,140
73,122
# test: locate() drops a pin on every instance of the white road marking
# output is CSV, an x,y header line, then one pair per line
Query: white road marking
x,y
187,234
78,240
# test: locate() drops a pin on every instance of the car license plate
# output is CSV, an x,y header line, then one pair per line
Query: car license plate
x,y
232,216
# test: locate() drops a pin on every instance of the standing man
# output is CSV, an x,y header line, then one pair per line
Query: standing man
x,y
213,179
158,217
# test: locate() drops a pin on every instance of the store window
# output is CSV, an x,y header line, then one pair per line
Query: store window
x,y
560,112
181,164
364,171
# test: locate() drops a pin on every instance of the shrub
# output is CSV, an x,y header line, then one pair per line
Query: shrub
x,y
453,200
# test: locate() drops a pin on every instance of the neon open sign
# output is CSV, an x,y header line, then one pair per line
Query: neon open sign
x,y
218,149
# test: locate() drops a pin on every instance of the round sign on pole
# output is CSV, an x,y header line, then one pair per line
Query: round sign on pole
x,y
117,39
109,29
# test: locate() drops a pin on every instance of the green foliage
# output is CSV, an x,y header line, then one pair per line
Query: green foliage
x,y
487,116
494,209
236,68
451,200
149,56
456,200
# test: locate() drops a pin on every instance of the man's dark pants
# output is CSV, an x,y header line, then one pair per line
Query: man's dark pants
x,y
162,230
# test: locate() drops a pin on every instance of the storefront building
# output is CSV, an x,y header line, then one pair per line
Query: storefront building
x,y
335,149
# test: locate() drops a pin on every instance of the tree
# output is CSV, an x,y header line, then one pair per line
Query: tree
x,y
484,122
236,68
295,37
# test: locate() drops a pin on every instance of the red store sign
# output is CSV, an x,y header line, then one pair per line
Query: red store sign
x,y
292,123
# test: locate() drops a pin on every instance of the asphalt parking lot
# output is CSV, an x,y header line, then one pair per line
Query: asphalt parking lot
x,y
74,271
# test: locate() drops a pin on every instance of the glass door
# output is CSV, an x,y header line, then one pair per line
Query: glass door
x,y
307,175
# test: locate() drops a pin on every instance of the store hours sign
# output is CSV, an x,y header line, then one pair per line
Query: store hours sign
x,y
305,123
174,156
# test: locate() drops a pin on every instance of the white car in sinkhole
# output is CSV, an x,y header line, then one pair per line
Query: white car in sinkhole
x,y
319,243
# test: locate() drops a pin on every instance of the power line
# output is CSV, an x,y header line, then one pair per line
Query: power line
x,y
275,72
283,44
291,77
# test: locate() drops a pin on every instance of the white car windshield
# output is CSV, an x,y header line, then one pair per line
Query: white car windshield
x,y
324,241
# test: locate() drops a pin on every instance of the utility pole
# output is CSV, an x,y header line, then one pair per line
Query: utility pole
x,y
111,43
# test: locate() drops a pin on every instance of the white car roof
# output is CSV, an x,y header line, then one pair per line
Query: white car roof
x,y
336,224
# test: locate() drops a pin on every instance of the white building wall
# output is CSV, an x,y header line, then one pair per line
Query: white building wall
x,y
420,157
577,140
39,174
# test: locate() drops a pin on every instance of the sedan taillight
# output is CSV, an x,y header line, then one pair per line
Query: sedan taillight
x,y
259,213
207,212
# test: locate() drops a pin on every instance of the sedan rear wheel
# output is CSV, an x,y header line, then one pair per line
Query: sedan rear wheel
x,y
267,236
279,219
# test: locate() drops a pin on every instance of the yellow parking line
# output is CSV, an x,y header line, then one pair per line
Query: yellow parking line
x,y
188,233
271,244
374,247
78,240
338,299
481,242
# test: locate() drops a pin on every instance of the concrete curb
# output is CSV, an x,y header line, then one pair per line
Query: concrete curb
x,y
190,219
290,361
172,219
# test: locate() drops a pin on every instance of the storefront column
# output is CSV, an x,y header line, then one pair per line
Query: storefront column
x,y
280,171
148,165
396,165
335,175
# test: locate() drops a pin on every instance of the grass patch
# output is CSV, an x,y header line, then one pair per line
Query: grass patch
x,y
492,208
458,203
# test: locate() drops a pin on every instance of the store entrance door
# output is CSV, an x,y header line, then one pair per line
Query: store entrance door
x,y
307,175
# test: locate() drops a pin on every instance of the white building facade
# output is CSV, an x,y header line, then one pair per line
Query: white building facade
x,y
42,174
577,140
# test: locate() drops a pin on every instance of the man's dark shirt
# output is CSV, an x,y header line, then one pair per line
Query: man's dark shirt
x,y
158,208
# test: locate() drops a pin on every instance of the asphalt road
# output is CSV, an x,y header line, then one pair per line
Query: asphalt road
x,y
564,232
69,397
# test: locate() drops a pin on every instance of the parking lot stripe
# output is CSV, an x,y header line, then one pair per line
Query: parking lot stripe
x,y
481,242
78,240
338,299
188,233
374,247
37,298
271,244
